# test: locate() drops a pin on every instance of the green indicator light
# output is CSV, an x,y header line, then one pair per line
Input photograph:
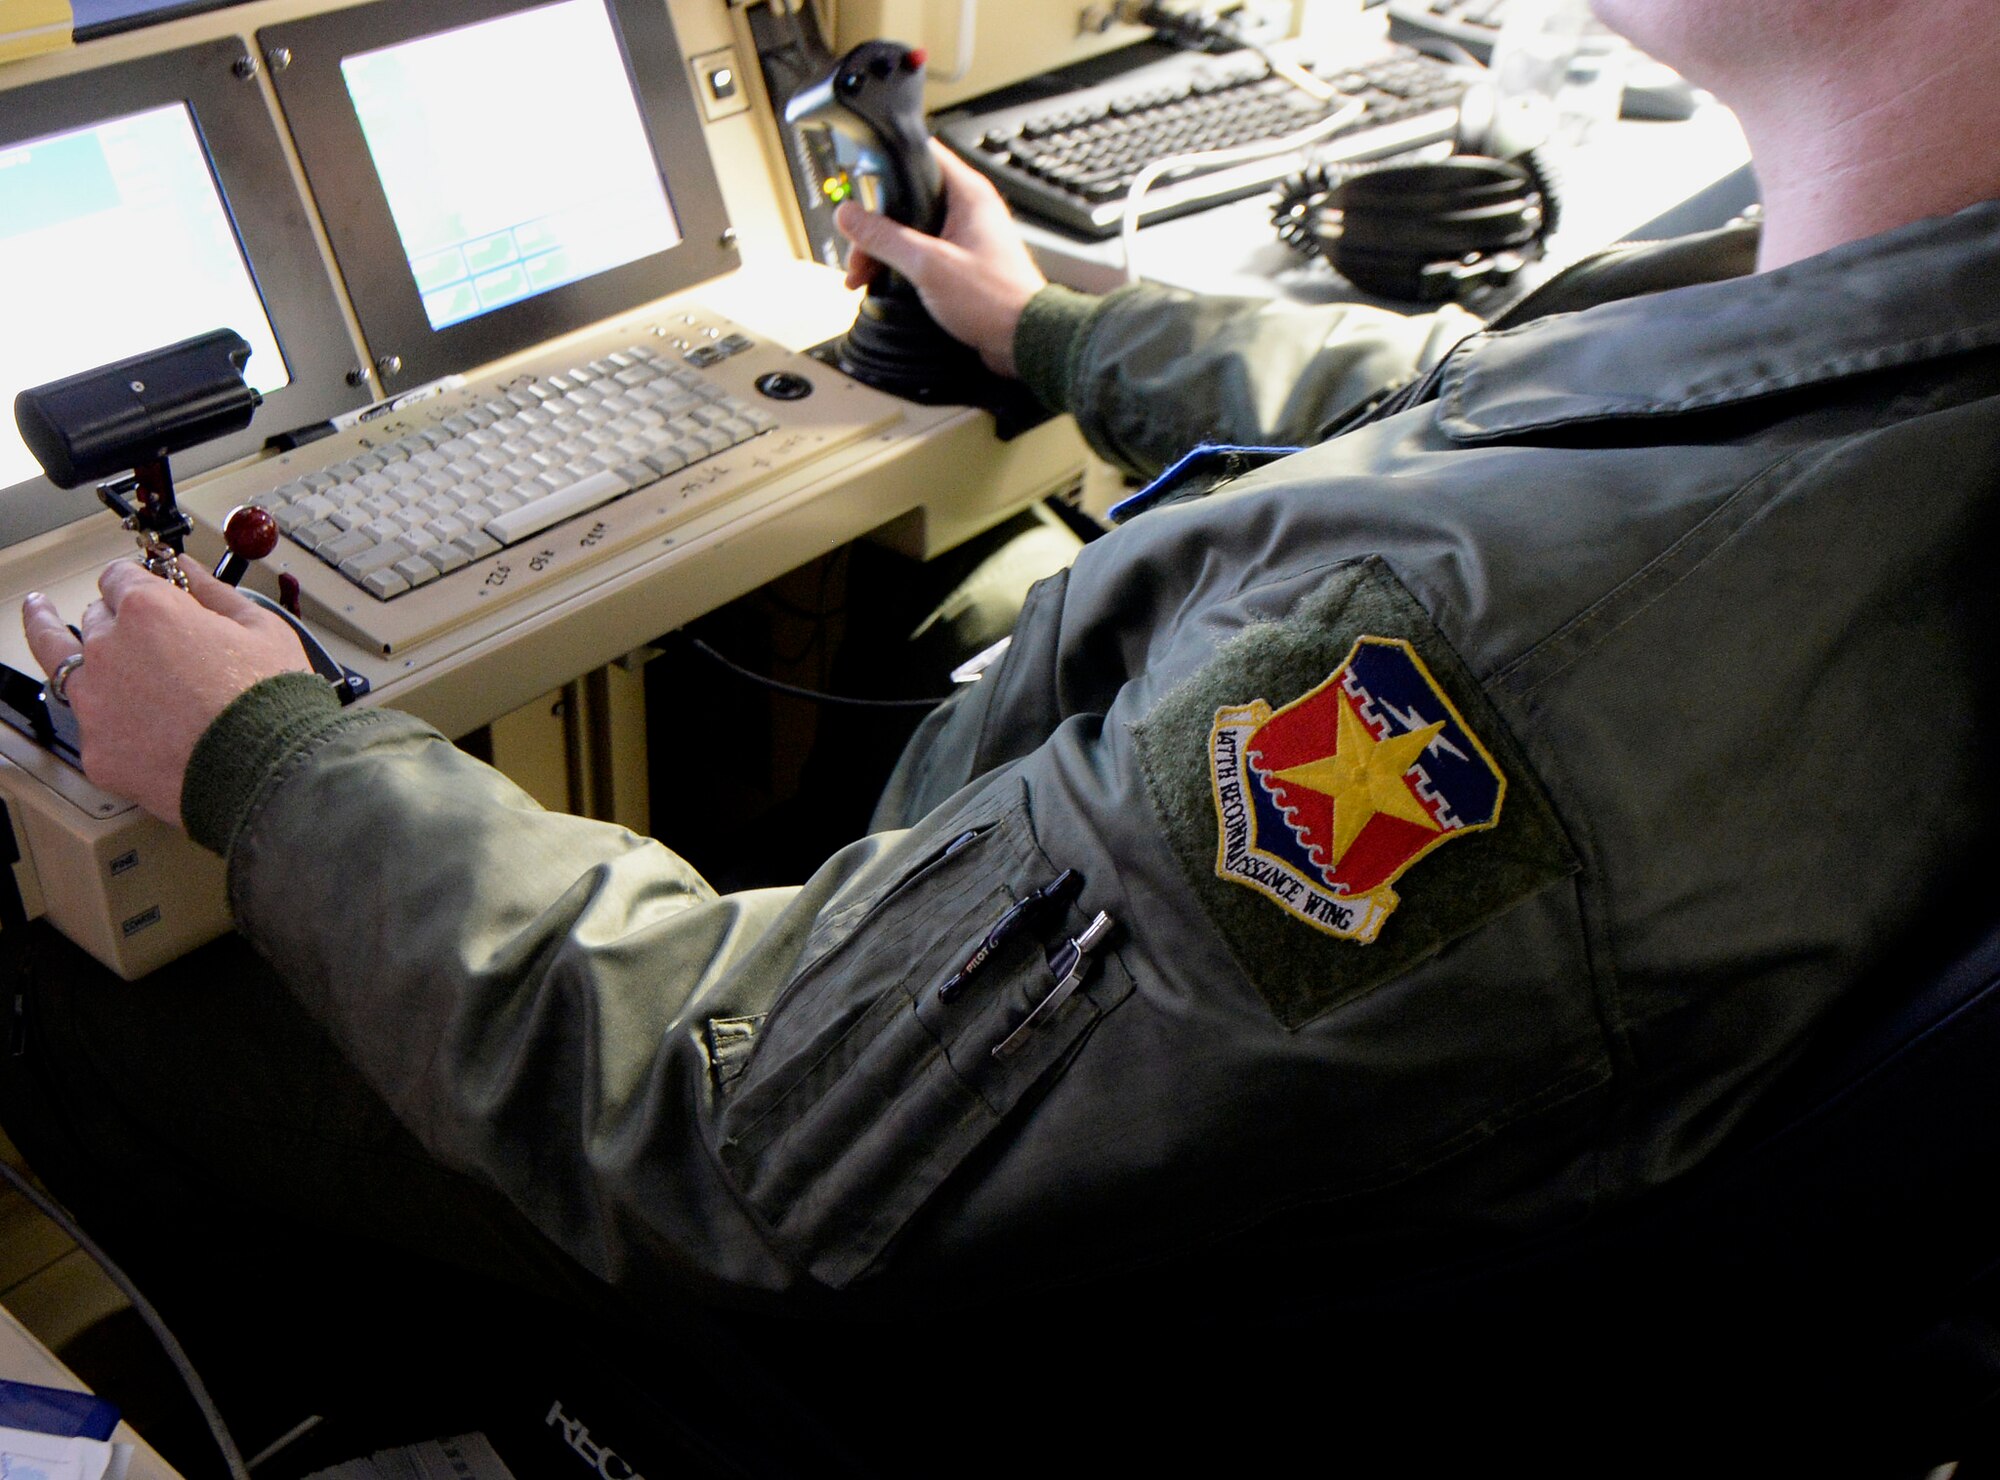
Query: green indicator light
x,y
838,188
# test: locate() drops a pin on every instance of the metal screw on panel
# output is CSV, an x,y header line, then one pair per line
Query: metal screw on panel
x,y
389,365
244,66
280,57
356,375
729,236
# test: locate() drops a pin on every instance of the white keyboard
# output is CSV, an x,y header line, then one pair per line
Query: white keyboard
x,y
501,492
545,448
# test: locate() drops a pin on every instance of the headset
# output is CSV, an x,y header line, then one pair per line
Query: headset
x,y
1432,230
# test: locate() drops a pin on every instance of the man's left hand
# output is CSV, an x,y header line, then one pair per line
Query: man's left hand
x,y
159,664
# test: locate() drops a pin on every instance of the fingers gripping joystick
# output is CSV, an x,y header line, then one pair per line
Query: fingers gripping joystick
x,y
119,425
871,109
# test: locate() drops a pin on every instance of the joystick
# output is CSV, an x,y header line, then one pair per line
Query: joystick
x,y
870,108
133,415
127,419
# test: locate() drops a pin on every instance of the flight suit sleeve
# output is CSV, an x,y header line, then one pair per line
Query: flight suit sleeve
x,y
774,1094
1150,372
568,1011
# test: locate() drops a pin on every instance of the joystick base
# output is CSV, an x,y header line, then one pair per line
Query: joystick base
x,y
896,346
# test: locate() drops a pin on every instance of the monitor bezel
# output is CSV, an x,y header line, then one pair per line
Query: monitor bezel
x,y
407,351
247,160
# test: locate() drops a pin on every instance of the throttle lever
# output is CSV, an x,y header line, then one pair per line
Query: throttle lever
x,y
251,533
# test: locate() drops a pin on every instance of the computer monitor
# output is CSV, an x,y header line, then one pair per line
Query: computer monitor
x,y
95,18
141,204
493,174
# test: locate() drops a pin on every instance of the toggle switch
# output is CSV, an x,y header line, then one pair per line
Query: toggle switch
x,y
720,84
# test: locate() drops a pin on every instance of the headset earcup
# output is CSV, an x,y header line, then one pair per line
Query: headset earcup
x,y
1402,228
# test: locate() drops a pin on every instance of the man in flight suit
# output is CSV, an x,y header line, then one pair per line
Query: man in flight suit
x,y
1480,806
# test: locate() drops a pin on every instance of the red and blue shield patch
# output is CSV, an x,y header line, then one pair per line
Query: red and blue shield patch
x,y
1323,804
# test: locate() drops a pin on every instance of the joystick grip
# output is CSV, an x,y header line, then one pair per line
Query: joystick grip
x,y
250,533
873,105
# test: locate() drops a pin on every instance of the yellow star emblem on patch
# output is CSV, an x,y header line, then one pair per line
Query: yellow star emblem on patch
x,y
1364,776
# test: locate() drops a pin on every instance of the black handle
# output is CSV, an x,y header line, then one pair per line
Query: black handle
x,y
873,103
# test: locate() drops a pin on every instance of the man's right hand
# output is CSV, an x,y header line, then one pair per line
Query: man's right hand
x,y
158,665
975,276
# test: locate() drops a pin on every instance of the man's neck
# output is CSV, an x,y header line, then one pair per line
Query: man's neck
x,y
1839,159
1817,194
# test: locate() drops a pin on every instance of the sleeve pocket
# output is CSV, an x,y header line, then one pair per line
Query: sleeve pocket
x,y
864,1091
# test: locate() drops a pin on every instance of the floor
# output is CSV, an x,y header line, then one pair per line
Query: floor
x,y
51,1285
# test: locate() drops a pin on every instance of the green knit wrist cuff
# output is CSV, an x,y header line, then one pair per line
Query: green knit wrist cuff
x,y
244,747
1046,339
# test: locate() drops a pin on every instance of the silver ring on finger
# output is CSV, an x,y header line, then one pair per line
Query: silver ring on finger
x,y
59,680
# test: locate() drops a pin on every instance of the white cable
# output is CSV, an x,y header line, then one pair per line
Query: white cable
x,y
232,1457
1299,77
1128,226
962,43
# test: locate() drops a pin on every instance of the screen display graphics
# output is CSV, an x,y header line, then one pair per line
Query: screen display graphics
x,y
74,291
512,155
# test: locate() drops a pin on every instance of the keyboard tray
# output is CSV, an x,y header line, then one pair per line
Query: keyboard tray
x,y
837,413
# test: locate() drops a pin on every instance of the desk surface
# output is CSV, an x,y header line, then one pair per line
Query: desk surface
x,y
24,1359
1625,176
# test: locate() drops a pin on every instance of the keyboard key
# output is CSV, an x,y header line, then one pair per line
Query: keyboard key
x,y
446,557
344,547
415,569
586,493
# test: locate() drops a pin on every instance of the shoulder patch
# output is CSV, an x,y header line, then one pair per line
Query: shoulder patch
x,y
1313,763
1322,805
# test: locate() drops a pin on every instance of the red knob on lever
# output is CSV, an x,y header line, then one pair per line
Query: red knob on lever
x,y
251,533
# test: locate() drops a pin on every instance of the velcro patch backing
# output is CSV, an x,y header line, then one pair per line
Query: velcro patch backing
x,y
1344,799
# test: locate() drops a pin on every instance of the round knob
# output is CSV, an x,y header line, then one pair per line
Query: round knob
x,y
250,532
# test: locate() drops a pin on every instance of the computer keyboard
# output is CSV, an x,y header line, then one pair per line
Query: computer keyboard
x,y
1070,159
1472,24
456,508
545,448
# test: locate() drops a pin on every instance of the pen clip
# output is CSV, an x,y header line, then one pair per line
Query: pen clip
x,y
1024,912
1069,964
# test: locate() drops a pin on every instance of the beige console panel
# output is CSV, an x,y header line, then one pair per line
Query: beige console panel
x,y
136,894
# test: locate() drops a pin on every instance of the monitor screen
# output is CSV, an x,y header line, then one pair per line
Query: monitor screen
x,y
494,173
142,202
71,206
484,226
